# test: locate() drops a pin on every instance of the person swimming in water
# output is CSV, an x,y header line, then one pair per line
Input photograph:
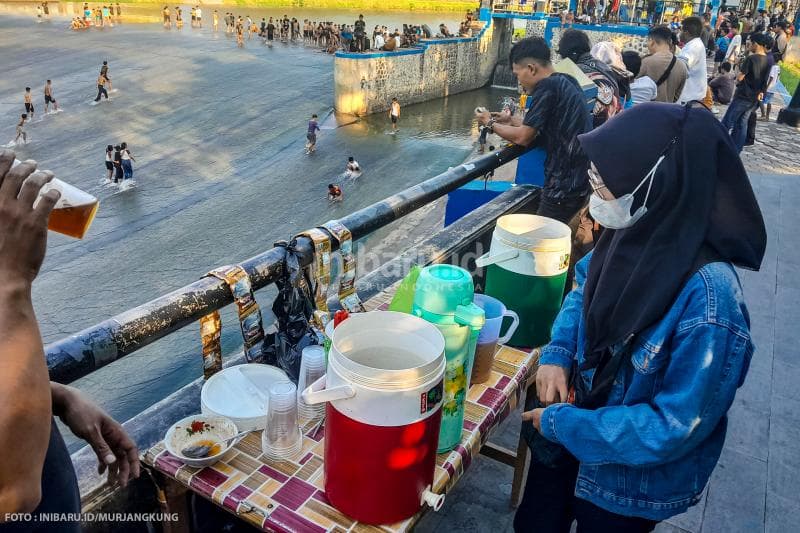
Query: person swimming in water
x,y
334,193
353,166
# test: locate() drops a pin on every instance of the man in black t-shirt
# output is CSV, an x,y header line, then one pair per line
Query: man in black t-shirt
x,y
751,84
36,473
359,32
557,115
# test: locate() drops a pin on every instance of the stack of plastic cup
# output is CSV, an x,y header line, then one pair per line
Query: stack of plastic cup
x,y
282,438
312,367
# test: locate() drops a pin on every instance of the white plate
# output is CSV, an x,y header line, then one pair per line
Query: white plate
x,y
216,429
228,394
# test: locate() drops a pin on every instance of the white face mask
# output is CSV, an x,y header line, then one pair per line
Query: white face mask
x,y
616,213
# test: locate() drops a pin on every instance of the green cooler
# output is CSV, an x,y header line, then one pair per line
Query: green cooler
x,y
526,269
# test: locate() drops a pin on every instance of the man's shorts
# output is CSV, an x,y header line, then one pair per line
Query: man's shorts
x,y
109,165
28,107
49,99
312,138
394,119
767,98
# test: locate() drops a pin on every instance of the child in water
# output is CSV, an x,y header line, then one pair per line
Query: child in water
x,y
353,166
21,129
334,193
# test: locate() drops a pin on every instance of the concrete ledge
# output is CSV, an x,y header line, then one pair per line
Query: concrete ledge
x,y
418,49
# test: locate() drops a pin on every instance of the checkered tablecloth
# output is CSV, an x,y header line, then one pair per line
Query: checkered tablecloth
x,y
289,496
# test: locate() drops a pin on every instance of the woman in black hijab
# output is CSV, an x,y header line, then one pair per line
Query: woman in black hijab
x,y
649,349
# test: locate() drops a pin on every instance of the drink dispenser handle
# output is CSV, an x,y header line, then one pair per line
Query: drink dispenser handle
x,y
470,315
489,259
318,393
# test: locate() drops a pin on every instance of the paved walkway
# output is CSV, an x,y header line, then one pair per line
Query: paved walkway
x,y
756,484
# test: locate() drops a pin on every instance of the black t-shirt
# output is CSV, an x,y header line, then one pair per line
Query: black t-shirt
x,y
559,114
270,30
756,75
360,27
60,492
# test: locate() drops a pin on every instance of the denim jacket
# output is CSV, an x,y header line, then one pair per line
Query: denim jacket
x,y
650,451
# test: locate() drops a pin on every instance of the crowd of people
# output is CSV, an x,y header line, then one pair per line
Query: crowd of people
x,y
649,12
326,35
98,16
119,164
747,53
118,158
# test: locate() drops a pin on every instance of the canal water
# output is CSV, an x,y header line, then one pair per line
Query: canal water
x,y
218,135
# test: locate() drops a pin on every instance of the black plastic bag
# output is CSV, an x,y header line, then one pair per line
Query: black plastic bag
x,y
293,308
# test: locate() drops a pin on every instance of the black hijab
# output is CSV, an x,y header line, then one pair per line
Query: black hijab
x,y
701,203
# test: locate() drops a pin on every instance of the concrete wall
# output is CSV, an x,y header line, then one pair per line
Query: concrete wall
x,y
626,37
366,83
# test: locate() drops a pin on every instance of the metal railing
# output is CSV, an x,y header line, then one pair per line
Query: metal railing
x,y
82,353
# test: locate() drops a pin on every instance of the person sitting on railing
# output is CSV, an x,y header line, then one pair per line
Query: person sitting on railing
x,y
426,31
347,38
444,32
36,473
378,41
390,44
567,19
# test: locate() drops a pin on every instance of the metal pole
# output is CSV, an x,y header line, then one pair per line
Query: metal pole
x,y
96,346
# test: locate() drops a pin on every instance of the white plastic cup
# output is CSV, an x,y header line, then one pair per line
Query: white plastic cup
x,y
282,438
312,367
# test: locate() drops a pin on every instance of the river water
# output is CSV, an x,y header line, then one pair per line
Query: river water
x,y
218,135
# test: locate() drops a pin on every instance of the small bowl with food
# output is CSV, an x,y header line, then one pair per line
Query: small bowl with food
x,y
201,440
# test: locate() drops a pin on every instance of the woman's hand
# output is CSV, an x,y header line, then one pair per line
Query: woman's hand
x,y
551,384
535,417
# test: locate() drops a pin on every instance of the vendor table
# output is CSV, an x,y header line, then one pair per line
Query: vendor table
x,y
289,496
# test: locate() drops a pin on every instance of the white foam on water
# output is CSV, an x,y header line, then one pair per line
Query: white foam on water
x,y
10,144
127,185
